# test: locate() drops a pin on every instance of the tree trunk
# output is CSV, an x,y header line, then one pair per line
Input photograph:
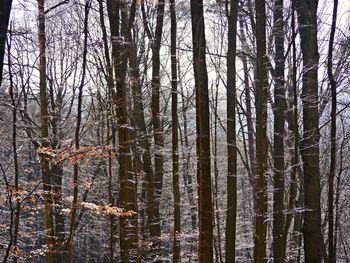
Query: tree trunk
x,y
15,105
203,133
45,170
216,198
175,137
261,138
249,115
154,223
4,21
56,170
110,93
332,171
129,247
307,17
278,146
294,130
73,218
231,135
142,139
186,154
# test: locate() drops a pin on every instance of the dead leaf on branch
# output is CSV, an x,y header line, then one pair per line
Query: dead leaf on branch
x,y
73,155
107,210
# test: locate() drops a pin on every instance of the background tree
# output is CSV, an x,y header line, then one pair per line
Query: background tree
x,y
175,135
116,135
231,135
45,170
278,140
128,225
307,14
332,171
4,21
203,132
156,39
73,218
261,138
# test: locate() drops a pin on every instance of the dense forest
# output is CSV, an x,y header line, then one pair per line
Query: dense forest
x,y
174,131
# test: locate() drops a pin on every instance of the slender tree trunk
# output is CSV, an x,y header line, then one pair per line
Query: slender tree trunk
x,y
15,157
112,240
278,146
155,181
175,136
45,170
338,209
4,21
307,17
154,223
216,209
249,115
203,133
56,170
142,139
231,135
110,92
186,153
73,218
294,129
261,138
57,174
331,248
12,211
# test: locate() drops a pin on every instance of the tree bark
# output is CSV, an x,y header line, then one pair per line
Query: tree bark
x,y
175,136
249,115
216,208
129,246
307,18
44,131
261,138
56,170
4,21
186,154
154,223
203,133
15,105
231,135
294,130
332,171
278,146
142,138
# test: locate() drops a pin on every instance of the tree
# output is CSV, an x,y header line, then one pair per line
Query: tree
x,y
261,138
154,223
45,170
175,135
332,168
203,133
292,119
256,125
248,106
231,135
4,21
278,141
129,249
307,18
14,226
73,218
111,93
